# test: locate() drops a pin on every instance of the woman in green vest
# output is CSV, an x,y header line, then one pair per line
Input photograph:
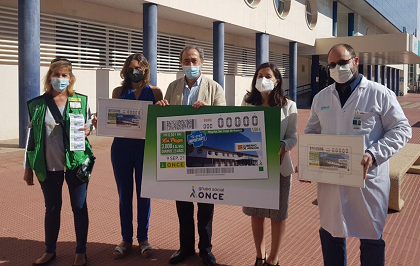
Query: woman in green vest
x,y
49,155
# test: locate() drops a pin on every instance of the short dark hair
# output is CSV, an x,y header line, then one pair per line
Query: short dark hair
x,y
189,47
345,45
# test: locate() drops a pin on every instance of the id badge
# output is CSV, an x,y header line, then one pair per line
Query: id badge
x,y
75,105
357,122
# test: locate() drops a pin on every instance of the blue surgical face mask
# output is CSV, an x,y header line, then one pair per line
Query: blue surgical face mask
x,y
59,84
191,71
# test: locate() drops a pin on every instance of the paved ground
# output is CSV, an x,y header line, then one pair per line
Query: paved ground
x,y
22,211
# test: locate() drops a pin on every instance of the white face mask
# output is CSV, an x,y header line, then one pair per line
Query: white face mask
x,y
264,85
341,74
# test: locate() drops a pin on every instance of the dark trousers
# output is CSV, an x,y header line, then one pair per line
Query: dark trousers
x,y
126,156
52,190
186,225
372,252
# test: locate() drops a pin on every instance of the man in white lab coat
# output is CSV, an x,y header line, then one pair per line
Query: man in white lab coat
x,y
354,105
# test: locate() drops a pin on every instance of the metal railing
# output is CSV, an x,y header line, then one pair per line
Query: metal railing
x,y
301,90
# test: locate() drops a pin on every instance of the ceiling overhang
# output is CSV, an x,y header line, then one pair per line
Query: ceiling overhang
x,y
382,49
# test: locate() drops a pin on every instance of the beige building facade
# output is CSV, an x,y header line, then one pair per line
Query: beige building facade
x,y
97,36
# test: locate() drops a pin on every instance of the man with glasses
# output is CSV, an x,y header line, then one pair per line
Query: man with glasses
x,y
354,105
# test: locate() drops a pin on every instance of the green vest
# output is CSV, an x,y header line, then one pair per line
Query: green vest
x,y
36,157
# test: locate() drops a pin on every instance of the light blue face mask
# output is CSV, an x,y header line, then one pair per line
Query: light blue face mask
x,y
191,71
59,84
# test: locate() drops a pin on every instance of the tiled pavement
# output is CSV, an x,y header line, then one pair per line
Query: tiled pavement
x,y
22,211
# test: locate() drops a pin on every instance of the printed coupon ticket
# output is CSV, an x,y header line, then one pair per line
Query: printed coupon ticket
x,y
77,136
122,118
212,146
331,159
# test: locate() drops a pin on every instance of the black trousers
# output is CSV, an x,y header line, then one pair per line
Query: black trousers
x,y
186,225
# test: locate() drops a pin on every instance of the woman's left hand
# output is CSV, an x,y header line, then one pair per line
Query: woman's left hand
x,y
86,129
282,152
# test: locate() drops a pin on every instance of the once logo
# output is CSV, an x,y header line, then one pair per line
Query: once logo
x,y
172,164
192,193
210,195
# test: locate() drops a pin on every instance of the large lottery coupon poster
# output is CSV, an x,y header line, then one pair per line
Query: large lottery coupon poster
x,y
212,146
223,155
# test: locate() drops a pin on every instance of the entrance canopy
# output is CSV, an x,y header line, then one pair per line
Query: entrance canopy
x,y
381,49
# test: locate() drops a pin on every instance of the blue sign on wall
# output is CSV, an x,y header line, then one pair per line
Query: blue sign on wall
x,y
418,48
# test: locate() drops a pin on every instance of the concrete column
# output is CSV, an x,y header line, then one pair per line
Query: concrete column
x,y
369,72
388,78
315,75
150,39
383,69
361,69
397,82
219,52
334,21
293,71
103,84
262,47
350,27
29,60
376,73
230,90
393,83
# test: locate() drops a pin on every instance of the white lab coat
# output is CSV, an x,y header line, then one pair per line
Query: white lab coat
x,y
360,212
288,133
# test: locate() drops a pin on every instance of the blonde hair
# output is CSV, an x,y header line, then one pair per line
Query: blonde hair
x,y
55,66
126,83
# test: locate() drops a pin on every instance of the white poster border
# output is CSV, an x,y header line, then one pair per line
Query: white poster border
x,y
131,108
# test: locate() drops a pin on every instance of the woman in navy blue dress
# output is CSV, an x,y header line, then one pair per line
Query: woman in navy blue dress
x,y
127,156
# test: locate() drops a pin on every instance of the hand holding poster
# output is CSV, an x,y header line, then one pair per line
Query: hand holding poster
x,y
222,155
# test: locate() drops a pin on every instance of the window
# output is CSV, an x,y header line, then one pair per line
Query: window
x,y
282,7
411,75
308,12
252,3
311,13
90,45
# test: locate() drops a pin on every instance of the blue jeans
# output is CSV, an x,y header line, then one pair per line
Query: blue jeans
x,y
372,252
126,156
52,189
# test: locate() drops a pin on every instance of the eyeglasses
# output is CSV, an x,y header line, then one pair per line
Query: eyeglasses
x,y
340,63
61,59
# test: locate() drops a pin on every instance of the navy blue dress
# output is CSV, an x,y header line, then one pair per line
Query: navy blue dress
x,y
126,157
